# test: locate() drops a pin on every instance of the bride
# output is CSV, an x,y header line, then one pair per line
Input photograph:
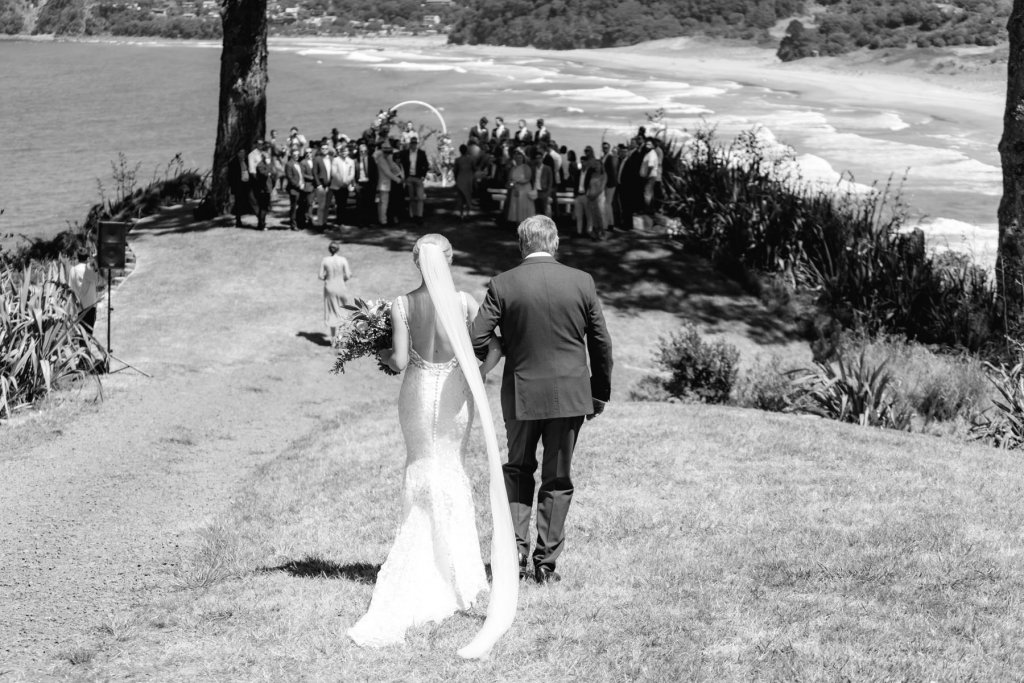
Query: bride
x,y
434,567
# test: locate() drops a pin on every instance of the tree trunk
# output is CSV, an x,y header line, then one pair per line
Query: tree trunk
x,y
243,94
1010,258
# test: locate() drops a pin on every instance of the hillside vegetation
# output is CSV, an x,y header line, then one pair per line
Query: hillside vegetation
x,y
828,27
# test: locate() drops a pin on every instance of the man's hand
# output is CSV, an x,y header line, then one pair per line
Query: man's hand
x,y
598,408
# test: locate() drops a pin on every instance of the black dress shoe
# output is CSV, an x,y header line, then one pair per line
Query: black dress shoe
x,y
524,568
544,575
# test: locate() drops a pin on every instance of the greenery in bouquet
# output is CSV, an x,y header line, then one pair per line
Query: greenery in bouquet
x,y
382,124
367,332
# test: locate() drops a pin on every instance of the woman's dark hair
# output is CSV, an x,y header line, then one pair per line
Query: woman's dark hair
x,y
463,149
334,247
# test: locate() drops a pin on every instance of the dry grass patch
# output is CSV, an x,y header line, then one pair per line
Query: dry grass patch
x,y
704,543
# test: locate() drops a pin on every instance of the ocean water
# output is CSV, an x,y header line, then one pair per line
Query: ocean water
x,y
69,108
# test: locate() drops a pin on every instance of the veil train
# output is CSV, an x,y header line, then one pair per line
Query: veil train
x,y
501,611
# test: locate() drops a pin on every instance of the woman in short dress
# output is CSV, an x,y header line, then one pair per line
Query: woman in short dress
x,y
335,272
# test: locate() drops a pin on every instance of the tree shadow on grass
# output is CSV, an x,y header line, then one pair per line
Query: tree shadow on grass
x,y
318,338
316,568
634,271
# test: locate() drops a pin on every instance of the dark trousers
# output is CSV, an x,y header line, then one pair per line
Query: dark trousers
x,y
341,203
558,437
295,220
366,203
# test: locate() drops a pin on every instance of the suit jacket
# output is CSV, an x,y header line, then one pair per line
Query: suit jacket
x,y
501,134
308,181
523,136
480,133
322,171
551,322
419,170
293,173
611,169
547,181
343,172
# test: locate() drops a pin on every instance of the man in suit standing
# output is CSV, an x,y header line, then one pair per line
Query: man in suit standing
x,y
543,184
366,185
610,161
501,133
551,322
322,183
480,132
298,208
415,167
343,175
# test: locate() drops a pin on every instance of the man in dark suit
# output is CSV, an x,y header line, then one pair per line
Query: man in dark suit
x,y
480,132
610,160
543,184
551,322
415,167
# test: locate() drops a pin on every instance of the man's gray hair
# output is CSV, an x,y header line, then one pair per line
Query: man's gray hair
x,y
538,233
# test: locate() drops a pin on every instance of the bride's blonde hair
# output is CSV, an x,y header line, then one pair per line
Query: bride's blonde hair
x,y
440,241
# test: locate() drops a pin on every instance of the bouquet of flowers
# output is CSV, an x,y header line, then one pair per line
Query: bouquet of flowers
x,y
367,332
382,124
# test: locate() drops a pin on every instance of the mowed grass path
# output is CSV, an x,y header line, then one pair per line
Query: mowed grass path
x,y
704,543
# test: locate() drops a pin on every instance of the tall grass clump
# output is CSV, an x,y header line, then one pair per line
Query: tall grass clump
x,y
741,205
43,343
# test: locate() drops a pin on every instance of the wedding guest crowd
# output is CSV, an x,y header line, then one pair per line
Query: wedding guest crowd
x,y
323,176
384,177
596,193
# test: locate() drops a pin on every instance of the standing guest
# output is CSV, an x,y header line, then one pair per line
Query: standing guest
x,y
570,171
335,272
308,185
543,185
296,139
415,167
500,133
241,191
82,280
556,160
408,135
262,189
278,156
578,177
542,132
480,132
631,185
522,136
650,171
343,175
610,162
366,184
558,369
519,204
594,206
465,177
501,165
389,173
321,183
257,152
335,136
297,198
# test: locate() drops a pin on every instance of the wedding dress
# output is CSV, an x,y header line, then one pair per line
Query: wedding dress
x,y
434,567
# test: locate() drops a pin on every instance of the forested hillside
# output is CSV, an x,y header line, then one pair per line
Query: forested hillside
x,y
563,24
826,27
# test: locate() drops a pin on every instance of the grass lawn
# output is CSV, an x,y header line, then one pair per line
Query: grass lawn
x,y
704,543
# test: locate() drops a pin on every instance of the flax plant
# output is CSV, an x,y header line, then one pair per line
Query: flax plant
x,y
43,343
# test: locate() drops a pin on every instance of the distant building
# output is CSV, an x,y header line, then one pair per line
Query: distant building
x,y
431,19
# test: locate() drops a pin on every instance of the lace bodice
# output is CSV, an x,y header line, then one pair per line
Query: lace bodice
x,y
435,566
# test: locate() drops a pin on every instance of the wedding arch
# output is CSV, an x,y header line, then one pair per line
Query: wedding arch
x,y
444,127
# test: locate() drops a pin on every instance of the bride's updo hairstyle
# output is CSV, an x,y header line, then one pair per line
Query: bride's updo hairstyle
x,y
439,241
538,233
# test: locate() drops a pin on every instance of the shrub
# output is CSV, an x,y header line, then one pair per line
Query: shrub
x,y
697,369
42,340
766,386
860,392
650,388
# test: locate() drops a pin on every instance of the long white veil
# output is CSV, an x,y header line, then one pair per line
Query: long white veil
x,y
501,610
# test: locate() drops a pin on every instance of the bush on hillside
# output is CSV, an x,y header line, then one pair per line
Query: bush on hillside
x,y
697,370
742,207
767,386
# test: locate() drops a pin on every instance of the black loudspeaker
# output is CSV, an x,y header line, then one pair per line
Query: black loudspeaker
x,y
110,244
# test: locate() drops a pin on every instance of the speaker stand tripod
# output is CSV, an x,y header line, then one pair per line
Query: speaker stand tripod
x,y
110,351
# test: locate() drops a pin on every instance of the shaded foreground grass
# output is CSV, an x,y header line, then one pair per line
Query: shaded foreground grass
x,y
704,543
